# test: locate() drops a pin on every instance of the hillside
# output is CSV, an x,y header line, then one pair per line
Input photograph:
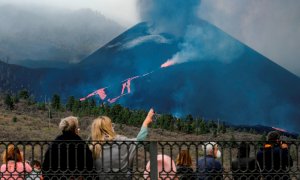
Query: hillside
x,y
245,88
31,123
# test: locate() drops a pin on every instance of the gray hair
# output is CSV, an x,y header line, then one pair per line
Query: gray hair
x,y
209,147
68,124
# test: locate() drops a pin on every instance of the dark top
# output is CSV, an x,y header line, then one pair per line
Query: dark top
x,y
244,169
274,162
185,173
65,159
209,169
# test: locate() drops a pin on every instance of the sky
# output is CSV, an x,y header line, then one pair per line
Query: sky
x,y
122,11
271,27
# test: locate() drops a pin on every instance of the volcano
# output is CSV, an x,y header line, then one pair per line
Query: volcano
x,y
249,89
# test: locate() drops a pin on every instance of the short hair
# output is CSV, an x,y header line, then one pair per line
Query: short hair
x,y
68,124
35,163
209,147
273,136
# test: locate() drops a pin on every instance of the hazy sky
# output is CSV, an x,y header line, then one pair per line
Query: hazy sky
x,y
122,11
272,27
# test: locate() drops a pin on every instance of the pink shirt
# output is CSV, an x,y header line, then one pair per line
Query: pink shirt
x,y
9,171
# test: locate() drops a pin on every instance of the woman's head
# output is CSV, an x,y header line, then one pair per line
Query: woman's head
x,y
69,124
101,130
12,153
184,158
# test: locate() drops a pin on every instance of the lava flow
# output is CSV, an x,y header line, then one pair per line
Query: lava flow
x,y
125,86
168,63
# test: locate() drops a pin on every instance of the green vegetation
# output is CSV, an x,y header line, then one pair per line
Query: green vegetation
x,y
9,103
14,119
24,94
124,116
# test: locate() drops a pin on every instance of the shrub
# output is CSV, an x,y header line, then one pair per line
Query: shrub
x,y
14,119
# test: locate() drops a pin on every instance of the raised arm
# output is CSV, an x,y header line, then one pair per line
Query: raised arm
x,y
144,130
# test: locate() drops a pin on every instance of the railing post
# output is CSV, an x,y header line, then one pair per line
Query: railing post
x,y
153,160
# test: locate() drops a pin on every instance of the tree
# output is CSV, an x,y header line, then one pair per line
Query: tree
x,y
70,103
189,120
24,94
203,129
55,102
263,137
15,99
179,124
92,103
76,106
9,102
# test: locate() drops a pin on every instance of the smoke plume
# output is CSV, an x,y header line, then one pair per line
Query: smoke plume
x,y
199,41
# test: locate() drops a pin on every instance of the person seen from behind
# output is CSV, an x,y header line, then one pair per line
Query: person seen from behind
x,y
184,165
244,167
274,158
166,168
13,166
36,173
68,157
113,152
209,168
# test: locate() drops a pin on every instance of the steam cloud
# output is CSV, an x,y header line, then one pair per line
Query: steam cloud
x,y
199,42
41,33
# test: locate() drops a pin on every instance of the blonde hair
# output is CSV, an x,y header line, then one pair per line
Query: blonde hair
x,y
184,158
101,130
12,153
69,124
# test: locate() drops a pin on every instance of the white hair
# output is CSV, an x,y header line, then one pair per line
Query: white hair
x,y
209,147
68,124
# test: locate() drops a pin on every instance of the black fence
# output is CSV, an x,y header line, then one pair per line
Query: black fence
x,y
131,160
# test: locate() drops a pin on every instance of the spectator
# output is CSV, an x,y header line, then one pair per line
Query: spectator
x,y
14,167
68,156
274,159
36,173
117,156
208,167
166,168
184,165
244,167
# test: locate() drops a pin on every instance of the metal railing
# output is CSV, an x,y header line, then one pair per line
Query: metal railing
x,y
130,160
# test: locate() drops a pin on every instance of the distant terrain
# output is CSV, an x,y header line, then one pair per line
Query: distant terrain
x,y
233,82
39,33
31,122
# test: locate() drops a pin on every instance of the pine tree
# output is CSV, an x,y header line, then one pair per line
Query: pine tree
x,y
203,129
70,103
189,124
55,102
9,102
263,137
24,94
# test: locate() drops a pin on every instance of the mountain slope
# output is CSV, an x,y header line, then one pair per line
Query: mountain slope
x,y
248,89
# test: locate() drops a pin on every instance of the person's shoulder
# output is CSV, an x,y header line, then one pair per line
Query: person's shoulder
x,y
121,138
217,162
